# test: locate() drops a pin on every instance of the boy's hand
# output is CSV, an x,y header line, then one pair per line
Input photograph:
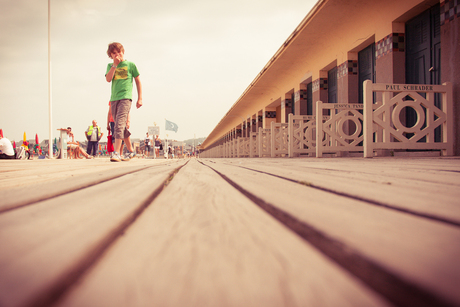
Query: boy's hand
x,y
139,103
117,60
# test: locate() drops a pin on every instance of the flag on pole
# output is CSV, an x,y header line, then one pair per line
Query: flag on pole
x,y
171,126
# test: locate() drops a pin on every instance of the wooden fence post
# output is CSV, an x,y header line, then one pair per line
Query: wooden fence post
x,y
368,123
319,129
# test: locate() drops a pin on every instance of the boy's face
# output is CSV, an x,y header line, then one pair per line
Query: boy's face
x,y
117,55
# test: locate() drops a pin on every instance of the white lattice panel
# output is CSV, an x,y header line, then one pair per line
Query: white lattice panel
x,y
254,144
243,147
279,139
388,120
264,142
342,131
302,134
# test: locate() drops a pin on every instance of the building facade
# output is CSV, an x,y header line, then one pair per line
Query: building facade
x,y
339,45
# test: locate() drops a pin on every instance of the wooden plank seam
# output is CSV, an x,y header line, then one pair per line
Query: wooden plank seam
x,y
395,288
363,199
61,285
69,190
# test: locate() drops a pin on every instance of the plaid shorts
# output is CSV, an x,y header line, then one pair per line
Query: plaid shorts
x,y
120,110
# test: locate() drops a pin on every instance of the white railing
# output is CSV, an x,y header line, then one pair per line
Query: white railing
x,y
228,152
279,145
341,131
380,126
222,151
235,148
386,116
302,135
242,147
230,149
264,142
253,144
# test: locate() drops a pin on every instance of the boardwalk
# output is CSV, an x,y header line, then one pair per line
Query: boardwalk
x,y
230,232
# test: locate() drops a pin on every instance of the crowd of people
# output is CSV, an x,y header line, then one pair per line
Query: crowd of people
x,y
150,147
120,73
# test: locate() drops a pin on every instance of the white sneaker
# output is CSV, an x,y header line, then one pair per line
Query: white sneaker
x,y
128,156
115,157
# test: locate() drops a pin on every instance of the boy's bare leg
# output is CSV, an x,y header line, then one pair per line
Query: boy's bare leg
x,y
129,146
117,146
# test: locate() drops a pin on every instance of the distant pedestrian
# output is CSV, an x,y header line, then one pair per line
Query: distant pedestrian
x,y
147,144
93,134
170,152
157,146
121,74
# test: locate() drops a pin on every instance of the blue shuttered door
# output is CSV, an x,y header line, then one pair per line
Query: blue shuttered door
x,y
310,99
366,67
423,55
332,85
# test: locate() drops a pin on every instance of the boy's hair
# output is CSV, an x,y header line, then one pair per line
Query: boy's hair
x,y
114,47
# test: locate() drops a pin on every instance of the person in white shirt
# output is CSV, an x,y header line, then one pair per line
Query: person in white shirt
x,y
6,149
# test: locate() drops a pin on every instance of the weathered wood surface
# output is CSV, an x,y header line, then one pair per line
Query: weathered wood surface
x,y
46,244
421,250
22,183
17,173
202,243
426,186
232,232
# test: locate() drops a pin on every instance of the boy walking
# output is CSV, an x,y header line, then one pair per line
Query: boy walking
x,y
121,74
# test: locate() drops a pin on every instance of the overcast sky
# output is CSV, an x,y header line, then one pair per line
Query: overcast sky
x,y
195,59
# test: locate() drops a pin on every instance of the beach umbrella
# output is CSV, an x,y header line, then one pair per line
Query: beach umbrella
x,y
37,145
1,133
24,142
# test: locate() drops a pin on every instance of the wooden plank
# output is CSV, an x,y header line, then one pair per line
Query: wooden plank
x,y
16,173
46,245
423,252
202,243
425,187
445,169
68,181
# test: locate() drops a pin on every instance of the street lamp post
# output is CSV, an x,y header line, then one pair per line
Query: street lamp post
x,y
50,142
